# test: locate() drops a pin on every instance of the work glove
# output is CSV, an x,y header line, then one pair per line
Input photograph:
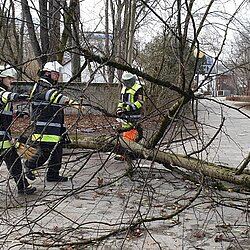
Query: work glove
x,y
25,151
75,105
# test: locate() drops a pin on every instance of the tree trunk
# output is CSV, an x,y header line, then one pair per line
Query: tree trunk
x,y
223,173
67,31
32,33
131,31
109,71
44,34
75,55
54,24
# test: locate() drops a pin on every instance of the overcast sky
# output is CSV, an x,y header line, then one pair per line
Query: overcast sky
x,y
92,17
92,11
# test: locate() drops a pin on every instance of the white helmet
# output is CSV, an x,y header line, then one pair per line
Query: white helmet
x,y
127,76
128,79
7,71
53,66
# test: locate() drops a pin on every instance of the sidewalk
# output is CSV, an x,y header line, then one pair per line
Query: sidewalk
x,y
231,145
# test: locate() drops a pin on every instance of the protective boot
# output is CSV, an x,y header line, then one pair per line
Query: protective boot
x,y
24,187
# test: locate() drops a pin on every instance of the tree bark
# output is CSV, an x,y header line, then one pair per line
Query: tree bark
x,y
54,23
131,31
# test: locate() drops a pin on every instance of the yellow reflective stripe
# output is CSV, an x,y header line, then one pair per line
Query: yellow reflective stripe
x,y
134,88
57,97
5,144
5,97
127,108
53,96
127,125
7,107
138,104
46,138
120,105
132,91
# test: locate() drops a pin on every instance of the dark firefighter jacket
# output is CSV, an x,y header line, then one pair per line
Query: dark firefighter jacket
x,y
131,101
6,112
47,112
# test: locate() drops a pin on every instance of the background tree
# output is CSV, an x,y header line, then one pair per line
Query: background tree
x,y
11,35
159,59
239,61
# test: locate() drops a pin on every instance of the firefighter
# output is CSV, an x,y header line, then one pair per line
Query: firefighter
x,y
48,120
8,148
129,109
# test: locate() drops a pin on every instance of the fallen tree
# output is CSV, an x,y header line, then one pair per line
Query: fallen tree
x,y
219,172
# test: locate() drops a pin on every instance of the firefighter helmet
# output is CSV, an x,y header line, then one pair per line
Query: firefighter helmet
x,y
53,66
128,79
7,71
127,76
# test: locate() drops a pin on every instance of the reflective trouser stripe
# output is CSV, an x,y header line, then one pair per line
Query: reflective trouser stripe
x,y
5,144
46,138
